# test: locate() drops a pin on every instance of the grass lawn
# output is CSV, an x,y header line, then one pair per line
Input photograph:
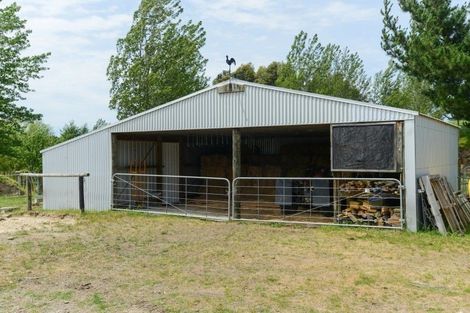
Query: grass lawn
x,y
120,262
13,201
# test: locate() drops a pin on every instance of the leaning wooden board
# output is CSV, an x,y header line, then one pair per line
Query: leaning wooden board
x,y
425,183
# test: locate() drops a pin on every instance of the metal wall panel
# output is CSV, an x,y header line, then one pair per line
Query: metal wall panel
x,y
171,166
91,154
436,149
141,153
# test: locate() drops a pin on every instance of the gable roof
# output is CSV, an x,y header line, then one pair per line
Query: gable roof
x,y
257,106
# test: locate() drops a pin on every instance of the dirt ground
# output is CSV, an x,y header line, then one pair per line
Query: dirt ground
x,y
118,262
10,224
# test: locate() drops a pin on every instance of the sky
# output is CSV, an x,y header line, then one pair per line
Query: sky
x,y
81,36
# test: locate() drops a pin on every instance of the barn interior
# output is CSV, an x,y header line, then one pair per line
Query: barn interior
x,y
196,157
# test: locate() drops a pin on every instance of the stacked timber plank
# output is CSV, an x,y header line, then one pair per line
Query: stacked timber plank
x,y
450,211
366,203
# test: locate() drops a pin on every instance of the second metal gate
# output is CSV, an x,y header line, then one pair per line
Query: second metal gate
x,y
368,202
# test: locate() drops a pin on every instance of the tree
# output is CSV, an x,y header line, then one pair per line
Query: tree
x,y
35,137
435,50
221,77
394,88
16,70
72,130
244,72
268,75
100,123
159,60
327,70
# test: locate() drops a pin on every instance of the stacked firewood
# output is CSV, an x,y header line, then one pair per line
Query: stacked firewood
x,y
366,203
355,187
363,212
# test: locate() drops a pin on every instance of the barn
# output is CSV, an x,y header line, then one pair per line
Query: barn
x,y
240,150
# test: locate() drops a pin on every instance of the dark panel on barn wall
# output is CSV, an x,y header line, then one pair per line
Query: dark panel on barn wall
x,y
370,147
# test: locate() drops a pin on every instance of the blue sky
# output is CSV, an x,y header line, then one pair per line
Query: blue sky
x,y
81,35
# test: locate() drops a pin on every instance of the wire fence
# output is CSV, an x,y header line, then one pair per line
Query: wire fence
x,y
342,201
13,188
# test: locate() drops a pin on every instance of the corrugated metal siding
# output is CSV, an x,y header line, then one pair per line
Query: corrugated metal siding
x,y
90,154
171,166
256,107
130,152
436,149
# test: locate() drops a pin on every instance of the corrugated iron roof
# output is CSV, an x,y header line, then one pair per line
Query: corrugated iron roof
x,y
269,106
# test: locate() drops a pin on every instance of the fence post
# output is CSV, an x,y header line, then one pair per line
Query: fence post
x,y
29,193
81,194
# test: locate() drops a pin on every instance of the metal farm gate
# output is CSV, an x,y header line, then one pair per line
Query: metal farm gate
x,y
366,202
205,197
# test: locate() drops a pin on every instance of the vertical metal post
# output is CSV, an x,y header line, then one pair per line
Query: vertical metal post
x,y
148,191
128,186
186,194
81,194
258,197
310,196
283,199
207,194
29,193
236,166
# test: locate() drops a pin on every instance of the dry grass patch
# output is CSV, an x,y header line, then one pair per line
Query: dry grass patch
x,y
118,262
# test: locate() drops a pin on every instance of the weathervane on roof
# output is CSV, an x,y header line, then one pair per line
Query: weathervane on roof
x,y
230,62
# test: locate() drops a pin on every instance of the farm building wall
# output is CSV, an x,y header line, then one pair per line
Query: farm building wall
x,y
89,154
436,149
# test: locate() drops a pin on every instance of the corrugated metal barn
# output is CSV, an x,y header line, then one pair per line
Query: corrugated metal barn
x,y
301,157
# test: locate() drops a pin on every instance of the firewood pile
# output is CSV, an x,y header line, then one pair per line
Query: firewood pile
x,y
368,203
355,187
446,210
362,212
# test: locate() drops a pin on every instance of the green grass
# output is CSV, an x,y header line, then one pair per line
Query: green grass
x,y
99,302
119,262
13,201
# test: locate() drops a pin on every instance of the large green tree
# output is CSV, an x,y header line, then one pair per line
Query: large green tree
x,y
16,71
394,88
35,137
159,60
244,72
328,70
435,49
268,75
72,130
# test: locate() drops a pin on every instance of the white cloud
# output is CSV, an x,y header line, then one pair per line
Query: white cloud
x,y
81,36
283,15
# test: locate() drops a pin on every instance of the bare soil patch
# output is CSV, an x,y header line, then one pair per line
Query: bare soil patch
x,y
10,224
